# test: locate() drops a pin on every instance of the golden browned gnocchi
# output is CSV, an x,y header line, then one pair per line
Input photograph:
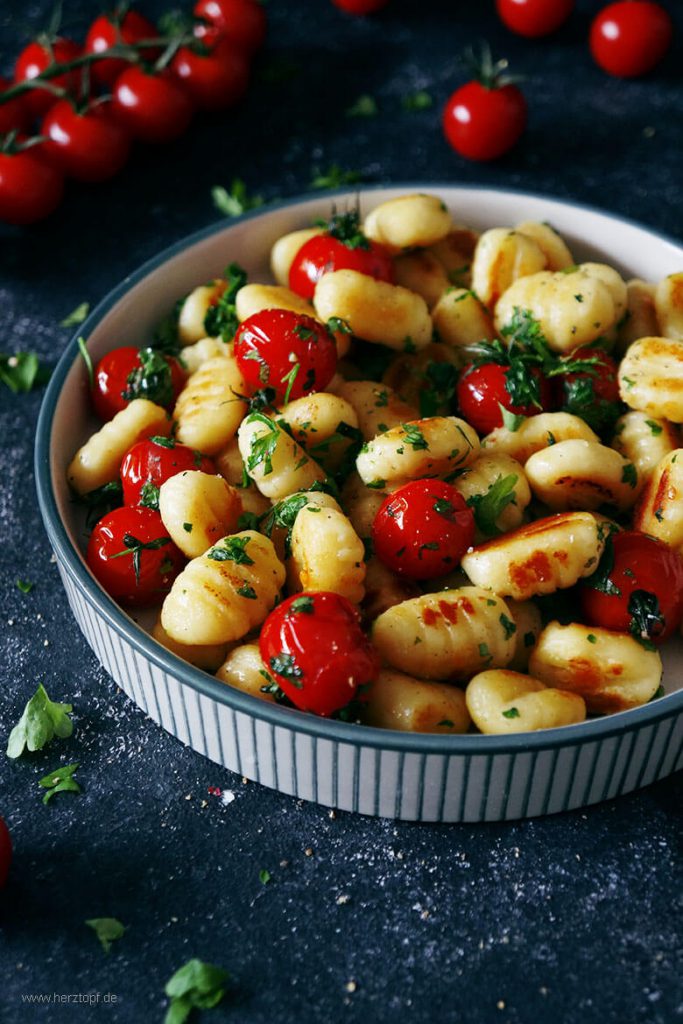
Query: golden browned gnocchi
x,y
651,377
252,298
438,446
376,311
273,459
551,244
455,253
205,656
377,407
582,475
244,670
210,408
501,701
536,433
409,222
460,319
494,469
669,306
194,309
198,509
397,701
644,441
420,271
660,509
641,319
325,425
326,554
503,256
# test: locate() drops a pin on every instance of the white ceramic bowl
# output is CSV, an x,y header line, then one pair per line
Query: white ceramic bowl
x,y
412,776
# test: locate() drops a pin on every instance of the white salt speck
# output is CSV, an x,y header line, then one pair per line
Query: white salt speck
x,y
227,797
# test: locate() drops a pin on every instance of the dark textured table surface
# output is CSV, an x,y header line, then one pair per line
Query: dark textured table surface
x,y
571,918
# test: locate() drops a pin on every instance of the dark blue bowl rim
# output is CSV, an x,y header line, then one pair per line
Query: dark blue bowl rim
x,y
597,729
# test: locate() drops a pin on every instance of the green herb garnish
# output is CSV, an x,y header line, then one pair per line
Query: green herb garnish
x,y
41,721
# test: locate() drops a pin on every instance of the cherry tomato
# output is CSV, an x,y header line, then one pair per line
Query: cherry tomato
x,y
315,650
630,38
107,31
534,18
30,188
484,119
5,852
14,114
34,59
242,22
289,352
149,463
215,80
481,390
88,146
360,6
152,106
350,250
132,556
423,529
593,393
642,592
128,372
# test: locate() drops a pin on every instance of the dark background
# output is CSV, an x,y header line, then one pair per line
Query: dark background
x,y
571,918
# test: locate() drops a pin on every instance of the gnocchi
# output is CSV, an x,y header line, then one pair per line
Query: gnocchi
x,y
501,701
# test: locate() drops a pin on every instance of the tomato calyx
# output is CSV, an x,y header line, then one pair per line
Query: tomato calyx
x,y
151,379
489,73
646,617
135,547
345,227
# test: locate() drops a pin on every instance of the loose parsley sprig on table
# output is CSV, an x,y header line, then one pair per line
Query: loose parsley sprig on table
x,y
41,721
22,371
236,200
107,930
194,986
60,781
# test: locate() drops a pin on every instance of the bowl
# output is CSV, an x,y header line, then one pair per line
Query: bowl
x,y
412,776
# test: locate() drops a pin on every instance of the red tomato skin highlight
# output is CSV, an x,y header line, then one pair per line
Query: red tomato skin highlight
x,y
409,524
330,652
158,567
104,33
480,389
111,379
150,462
482,123
323,254
267,348
5,852
534,18
216,81
34,59
641,562
629,38
242,22
152,107
30,188
89,146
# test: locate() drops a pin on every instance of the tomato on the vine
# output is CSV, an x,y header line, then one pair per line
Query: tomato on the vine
x,y
638,588
110,30
360,6
593,393
534,18
423,529
242,22
629,38
14,114
342,246
289,352
485,117
128,372
149,463
131,554
86,145
30,188
482,390
5,852
36,58
314,648
215,79
152,105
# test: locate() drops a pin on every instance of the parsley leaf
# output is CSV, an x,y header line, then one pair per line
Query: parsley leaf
x,y
247,591
263,446
333,177
60,781
76,316
220,320
40,722
512,421
420,100
488,507
151,379
22,371
414,437
302,606
87,359
25,586
107,930
195,985
264,876
149,496
629,475
285,665
600,579
646,617
364,106
510,713
283,514
509,627
655,428
235,202
231,549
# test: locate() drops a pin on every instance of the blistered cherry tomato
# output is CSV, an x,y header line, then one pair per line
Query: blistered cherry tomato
x,y
242,22
360,6
593,393
534,18
149,463
630,38
132,556
314,648
30,188
5,852
215,80
642,591
88,146
14,114
36,58
289,352
481,391
481,121
108,30
325,253
423,529
152,106
128,372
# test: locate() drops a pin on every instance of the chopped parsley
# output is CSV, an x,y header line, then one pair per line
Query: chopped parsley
x,y
510,713
22,371
107,930
414,437
336,324
284,514
195,985
529,639
87,359
509,627
285,665
220,320
629,475
264,876
592,638
76,316
60,781
187,527
655,428
231,549
302,606
25,586
263,446
334,177
236,201
149,496
444,508
488,507
364,106
246,521
512,421
41,721
446,722
135,547
484,651
151,379
246,591
416,101
601,580
646,617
